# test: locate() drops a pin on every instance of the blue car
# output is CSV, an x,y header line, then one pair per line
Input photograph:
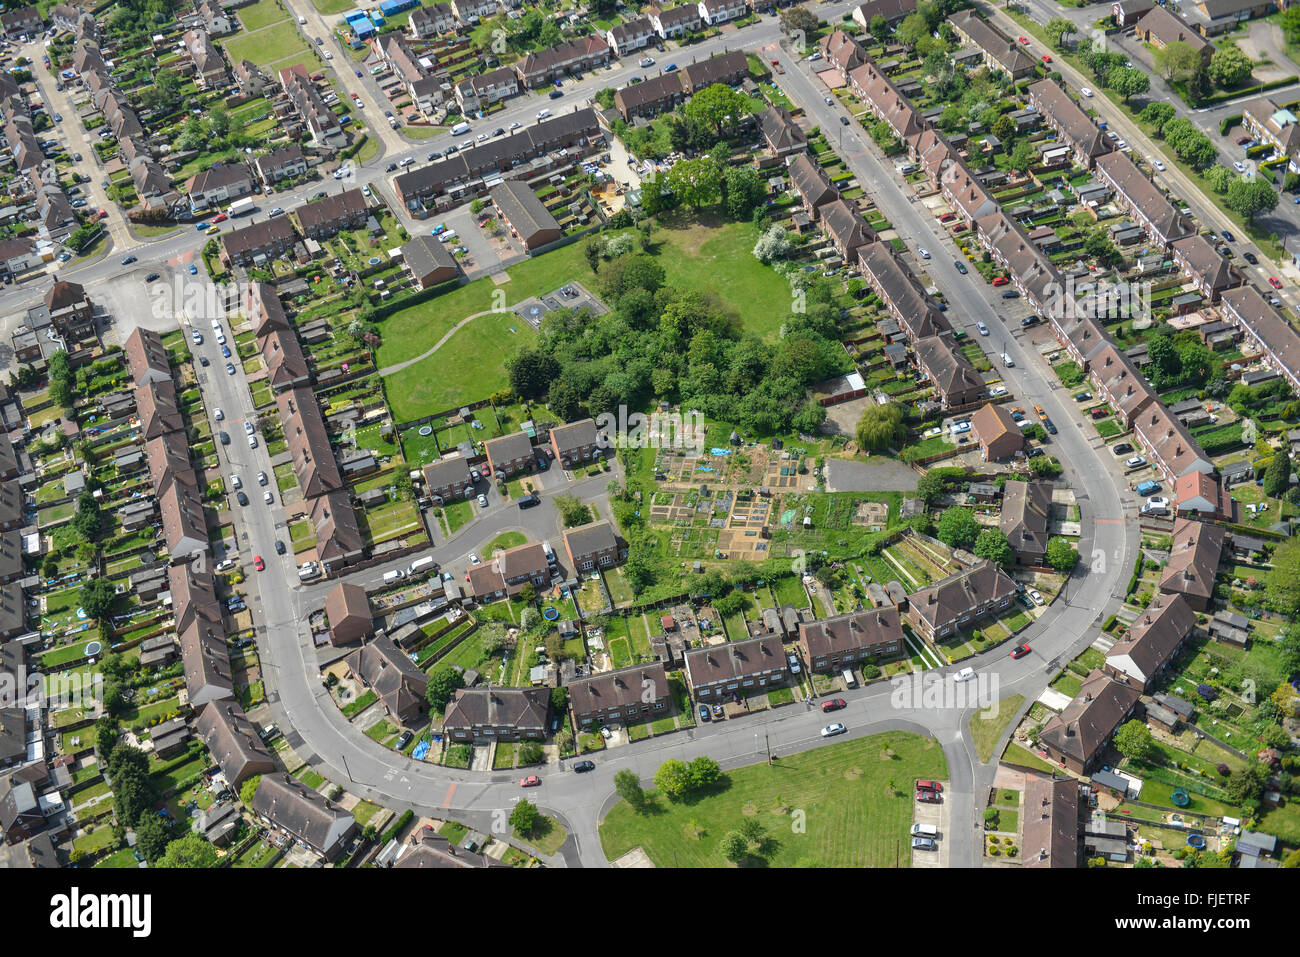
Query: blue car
x,y
202,226
1148,488
194,270
670,68
704,712
225,352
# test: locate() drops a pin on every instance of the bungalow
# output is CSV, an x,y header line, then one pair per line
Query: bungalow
x,y
1151,642
1077,736
1160,27
483,715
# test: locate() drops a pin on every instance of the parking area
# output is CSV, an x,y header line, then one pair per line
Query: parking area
x,y
935,815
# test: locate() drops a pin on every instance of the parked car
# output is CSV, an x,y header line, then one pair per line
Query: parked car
x,y
927,843
482,501
268,498
1275,282
929,797
261,478
1036,596
793,661
1050,426
718,712
241,498
279,547
1000,280
230,368
833,704
983,329
1019,651
844,121
704,712
1250,258
923,252
1082,396
1123,448
1136,462
403,740
1148,487
961,266
583,766
929,786
258,563
833,729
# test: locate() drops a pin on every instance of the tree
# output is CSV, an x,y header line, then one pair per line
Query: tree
x,y
1128,81
1250,196
1220,178
97,598
530,752
697,182
248,789
531,373
673,779
1245,785
1004,128
572,511
733,845
798,22
957,528
1061,555
704,771
1277,477
881,427
189,851
993,545
1058,28
152,835
1229,66
1045,466
879,28
911,30
1176,61
1022,156
87,522
1158,114
443,683
525,817
772,245
628,787
717,106
745,191
1133,740
1199,87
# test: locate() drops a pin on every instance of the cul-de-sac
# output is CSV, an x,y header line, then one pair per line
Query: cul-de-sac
x,y
590,433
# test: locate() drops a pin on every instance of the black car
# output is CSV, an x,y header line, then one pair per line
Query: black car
x,y
240,497
1050,426
203,361
1011,294
151,277
499,131
225,439
453,148
404,740
1028,320
844,121
1250,258
556,94
320,195
128,260
1122,449
961,266
279,547
391,167
530,501
1228,237
1033,453
582,766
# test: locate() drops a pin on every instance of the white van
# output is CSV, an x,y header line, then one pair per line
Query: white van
x,y
925,830
395,575
425,564
460,129
447,236
1008,361
849,680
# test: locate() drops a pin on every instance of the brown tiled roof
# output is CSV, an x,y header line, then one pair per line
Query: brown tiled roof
x,y
1087,722
1066,115
309,445
953,597
387,670
1153,637
520,708
589,539
852,631
575,435
618,689
990,422
811,181
348,611
949,370
306,814
335,522
1025,510
1144,194
263,309
345,205
233,742
735,660
1051,822
155,404
194,596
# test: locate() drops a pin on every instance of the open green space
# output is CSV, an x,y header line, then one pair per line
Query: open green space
x,y
267,46
985,733
857,796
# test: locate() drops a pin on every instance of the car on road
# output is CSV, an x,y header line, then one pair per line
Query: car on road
x,y
473,558
1160,167
646,61
923,252
543,114
515,125
983,329
1019,651
249,428
279,547
1149,487
252,441
198,338
212,230
1085,91
268,498
834,704
203,361
220,218
704,712
530,782
555,94
966,674
1136,462
1122,449
717,711
927,843
128,260
151,277
391,167
499,131
1046,58
194,270
583,766
844,121
529,501
319,41
1050,426
241,498
1035,596
1250,258
225,351
1239,166
261,478
934,786
403,740
1007,361
833,729
929,797
1275,282
961,266
217,413
1024,40
1228,237
230,368
670,68
482,501
481,137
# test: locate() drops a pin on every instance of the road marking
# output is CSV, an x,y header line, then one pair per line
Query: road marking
x,y
451,789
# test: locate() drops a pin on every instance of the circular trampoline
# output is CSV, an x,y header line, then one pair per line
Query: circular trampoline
x,y
94,647
1196,841
426,430
549,613
374,260
1180,798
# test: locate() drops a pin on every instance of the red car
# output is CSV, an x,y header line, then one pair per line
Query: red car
x,y
1046,58
775,61
1019,651
530,782
1274,282
929,786
1000,280
947,217
258,563
1243,141
834,704
1024,40
220,218
960,227
929,797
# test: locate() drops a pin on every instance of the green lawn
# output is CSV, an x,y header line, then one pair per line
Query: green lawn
x,y
504,541
267,46
261,14
857,797
985,734
547,837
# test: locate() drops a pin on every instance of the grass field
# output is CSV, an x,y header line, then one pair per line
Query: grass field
x,y
266,46
857,798
261,14
986,733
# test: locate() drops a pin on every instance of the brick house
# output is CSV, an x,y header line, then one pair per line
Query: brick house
x,y
626,695
1151,643
482,715
716,672
831,644
1077,736
959,600
593,546
448,479
997,433
510,454
575,443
